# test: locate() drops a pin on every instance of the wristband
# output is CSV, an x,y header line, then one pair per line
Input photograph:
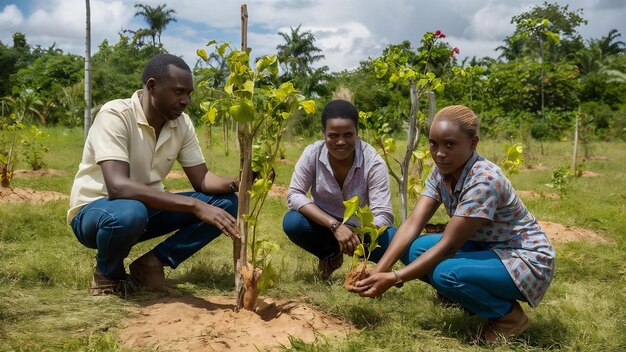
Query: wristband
x,y
335,226
399,282
233,186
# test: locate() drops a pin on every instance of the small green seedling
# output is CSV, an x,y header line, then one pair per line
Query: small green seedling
x,y
367,232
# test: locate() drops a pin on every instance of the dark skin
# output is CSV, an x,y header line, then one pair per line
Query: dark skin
x,y
450,148
340,136
164,100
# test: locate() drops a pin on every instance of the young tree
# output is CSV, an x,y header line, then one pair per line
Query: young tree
x,y
87,117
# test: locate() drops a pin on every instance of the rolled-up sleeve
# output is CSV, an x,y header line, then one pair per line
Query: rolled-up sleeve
x,y
380,193
301,180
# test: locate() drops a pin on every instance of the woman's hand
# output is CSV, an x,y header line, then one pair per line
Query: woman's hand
x,y
374,285
347,239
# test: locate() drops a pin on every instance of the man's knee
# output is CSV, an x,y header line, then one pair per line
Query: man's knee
x,y
131,217
229,202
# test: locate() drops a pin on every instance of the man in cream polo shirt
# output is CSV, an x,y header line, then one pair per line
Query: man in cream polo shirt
x,y
118,198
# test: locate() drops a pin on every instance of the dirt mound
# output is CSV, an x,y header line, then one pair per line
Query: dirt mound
x,y
189,323
587,173
17,195
38,173
176,175
533,194
285,162
535,167
278,192
560,233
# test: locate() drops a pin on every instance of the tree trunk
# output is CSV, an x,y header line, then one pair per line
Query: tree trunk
x,y
87,116
575,142
413,138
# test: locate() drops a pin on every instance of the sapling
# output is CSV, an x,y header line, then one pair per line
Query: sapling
x,y
368,234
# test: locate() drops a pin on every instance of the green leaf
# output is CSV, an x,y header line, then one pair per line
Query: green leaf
x,y
242,112
367,217
202,54
352,205
229,89
211,42
249,86
222,48
359,251
308,106
284,90
210,115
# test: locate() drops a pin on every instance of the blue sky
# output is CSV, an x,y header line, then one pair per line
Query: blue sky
x,y
348,31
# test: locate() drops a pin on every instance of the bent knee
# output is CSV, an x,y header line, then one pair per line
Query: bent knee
x,y
230,203
131,217
292,223
443,278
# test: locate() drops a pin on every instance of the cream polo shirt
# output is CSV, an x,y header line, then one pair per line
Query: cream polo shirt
x,y
121,132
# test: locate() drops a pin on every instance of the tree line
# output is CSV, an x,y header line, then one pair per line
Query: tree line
x,y
546,74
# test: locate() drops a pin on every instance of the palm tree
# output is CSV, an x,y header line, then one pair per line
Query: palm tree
x,y
297,55
609,45
157,18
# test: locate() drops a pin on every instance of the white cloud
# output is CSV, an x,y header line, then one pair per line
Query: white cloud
x,y
492,21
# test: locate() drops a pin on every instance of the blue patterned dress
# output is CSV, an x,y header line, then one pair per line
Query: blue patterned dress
x,y
513,233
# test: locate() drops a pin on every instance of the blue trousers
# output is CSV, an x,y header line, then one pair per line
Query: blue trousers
x,y
474,277
113,227
317,239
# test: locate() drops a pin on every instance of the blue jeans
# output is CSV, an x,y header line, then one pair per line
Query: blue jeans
x,y
113,227
317,239
474,277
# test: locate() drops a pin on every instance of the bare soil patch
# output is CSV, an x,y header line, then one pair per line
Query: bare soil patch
x,y
278,192
533,195
188,323
535,167
38,173
597,157
176,175
587,173
560,233
18,195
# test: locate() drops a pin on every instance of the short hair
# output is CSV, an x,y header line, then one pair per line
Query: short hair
x,y
157,67
463,116
340,109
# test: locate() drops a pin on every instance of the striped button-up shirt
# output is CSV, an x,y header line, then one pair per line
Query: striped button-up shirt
x,y
367,179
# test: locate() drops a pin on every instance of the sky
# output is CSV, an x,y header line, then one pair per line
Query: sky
x,y
347,31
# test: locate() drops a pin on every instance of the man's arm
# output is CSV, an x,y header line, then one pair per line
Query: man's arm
x,y
119,186
203,180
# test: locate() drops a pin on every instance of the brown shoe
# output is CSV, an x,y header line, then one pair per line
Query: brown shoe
x,y
148,274
509,325
329,264
103,286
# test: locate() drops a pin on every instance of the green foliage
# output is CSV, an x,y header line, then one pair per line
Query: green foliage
x,y
251,98
33,148
262,250
10,134
157,18
513,159
368,232
560,181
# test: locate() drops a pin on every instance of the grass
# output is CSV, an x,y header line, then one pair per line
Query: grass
x,y
44,271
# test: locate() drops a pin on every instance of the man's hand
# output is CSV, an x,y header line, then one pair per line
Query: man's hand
x,y
217,217
374,285
347,239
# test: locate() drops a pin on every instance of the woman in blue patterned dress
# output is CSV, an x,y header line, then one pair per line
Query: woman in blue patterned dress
x,y
492,254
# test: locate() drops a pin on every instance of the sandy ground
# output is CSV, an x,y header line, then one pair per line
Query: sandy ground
x,y
188,323
560,233
18,195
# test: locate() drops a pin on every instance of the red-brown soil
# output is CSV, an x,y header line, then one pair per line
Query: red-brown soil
x,y
38,173
560,233
533,194
19,195
278,192
188,323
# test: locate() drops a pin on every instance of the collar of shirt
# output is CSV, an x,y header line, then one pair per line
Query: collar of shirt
x,y
358,156
466,169
140,116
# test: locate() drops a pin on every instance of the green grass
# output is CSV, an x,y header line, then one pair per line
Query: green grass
x,y
45,272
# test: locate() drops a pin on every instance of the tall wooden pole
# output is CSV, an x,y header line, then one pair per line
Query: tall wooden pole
x,y
575,142
240,246
87,116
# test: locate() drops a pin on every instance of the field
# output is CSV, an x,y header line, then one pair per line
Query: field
x,y
45,272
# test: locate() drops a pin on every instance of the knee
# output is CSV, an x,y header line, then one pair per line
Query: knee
x,y
292,223
130,219
444,278
230,203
